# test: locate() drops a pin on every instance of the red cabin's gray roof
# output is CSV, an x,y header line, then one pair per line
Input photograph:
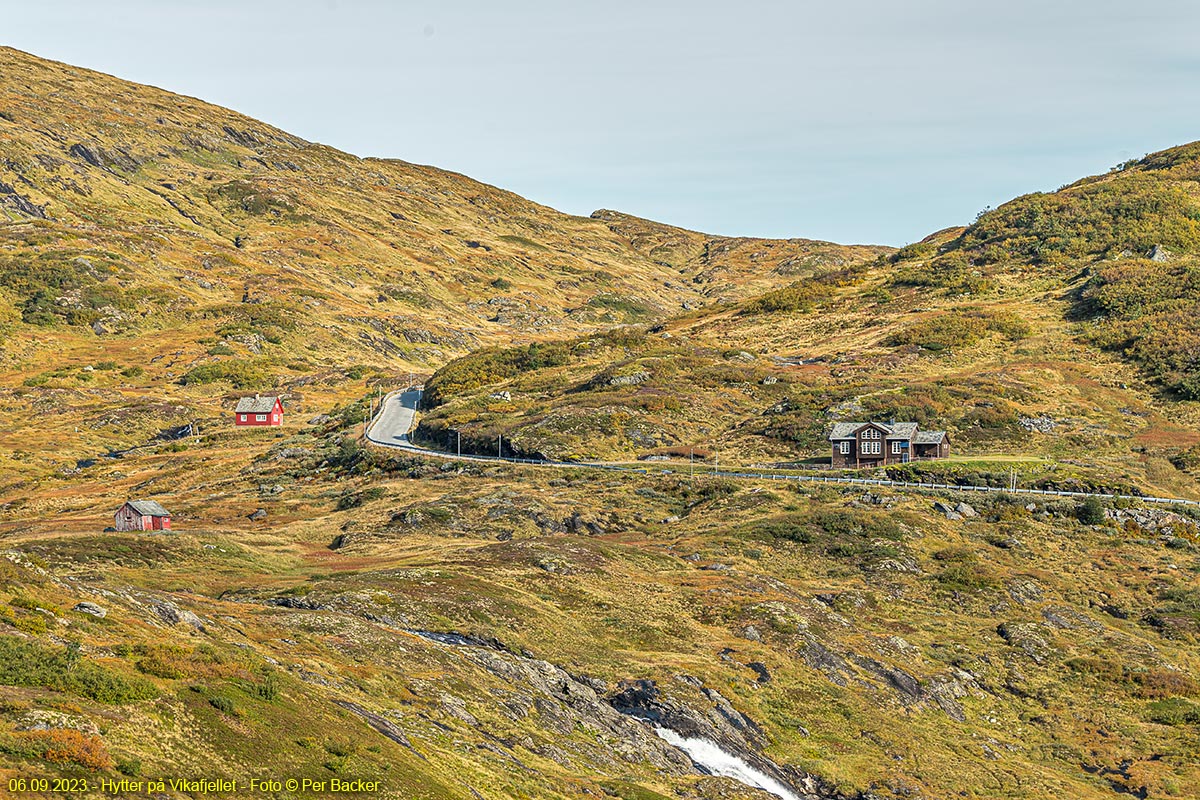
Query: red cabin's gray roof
x,y
259,404
149,508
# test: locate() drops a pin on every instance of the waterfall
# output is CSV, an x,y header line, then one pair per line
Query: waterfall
x,y
712,758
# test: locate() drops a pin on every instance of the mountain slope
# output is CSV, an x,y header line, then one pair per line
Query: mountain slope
x,y
1057,330
143,231
325,610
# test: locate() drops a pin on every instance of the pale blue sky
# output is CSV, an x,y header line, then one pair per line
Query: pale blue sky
x,y
856,121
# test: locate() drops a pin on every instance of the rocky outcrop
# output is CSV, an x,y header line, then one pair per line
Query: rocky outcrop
x,y
713,718
561,702
1028,637
1037,424
10,198
90,608
172,614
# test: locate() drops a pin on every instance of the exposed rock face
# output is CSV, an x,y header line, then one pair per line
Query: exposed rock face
x,y
1038,424
1159,253
172,614
1028,637
720,723
632,379
41,719
10,198
1165,523
563,701
90,608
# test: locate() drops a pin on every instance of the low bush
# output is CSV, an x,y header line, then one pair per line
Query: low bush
x,y
25,663
240,374
960,329
488,366
1174,711
1159,684
1090,511
64,746
223,704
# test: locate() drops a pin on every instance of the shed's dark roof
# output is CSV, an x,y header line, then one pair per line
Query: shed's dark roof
x,y
149,508
259,404
929,437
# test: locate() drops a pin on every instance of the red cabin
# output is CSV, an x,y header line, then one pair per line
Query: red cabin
x,y
142,515
258,410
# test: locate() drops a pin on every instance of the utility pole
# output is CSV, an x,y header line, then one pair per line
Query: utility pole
x,y
691,463
716,459
500,445
459,443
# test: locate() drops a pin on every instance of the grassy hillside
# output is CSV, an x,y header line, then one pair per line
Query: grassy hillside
x,y
324,610
158,254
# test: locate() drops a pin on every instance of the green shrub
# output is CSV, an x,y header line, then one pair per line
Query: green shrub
x,y
268,688
952,272
963,571
240,374
488,366
799,296
350,500
960,329
1147,313
1090,511
223,704
1174,711
630,307
131,767
25,663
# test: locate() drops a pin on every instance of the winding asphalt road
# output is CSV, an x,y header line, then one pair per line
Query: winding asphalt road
x,y
394,421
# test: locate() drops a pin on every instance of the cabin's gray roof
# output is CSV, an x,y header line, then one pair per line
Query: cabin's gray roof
x,y
149,508
929,437
259,404
903,430
896,430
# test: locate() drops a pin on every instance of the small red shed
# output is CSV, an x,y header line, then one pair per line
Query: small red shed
x,y
258,410
142,515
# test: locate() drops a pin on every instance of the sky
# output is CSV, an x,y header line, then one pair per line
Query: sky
x,y
860,121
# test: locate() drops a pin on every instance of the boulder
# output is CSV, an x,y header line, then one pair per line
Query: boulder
x,y
1159,253
965,510
90,608
258,514
751,633
172,614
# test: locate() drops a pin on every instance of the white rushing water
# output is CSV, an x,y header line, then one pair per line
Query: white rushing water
x,y
718,762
